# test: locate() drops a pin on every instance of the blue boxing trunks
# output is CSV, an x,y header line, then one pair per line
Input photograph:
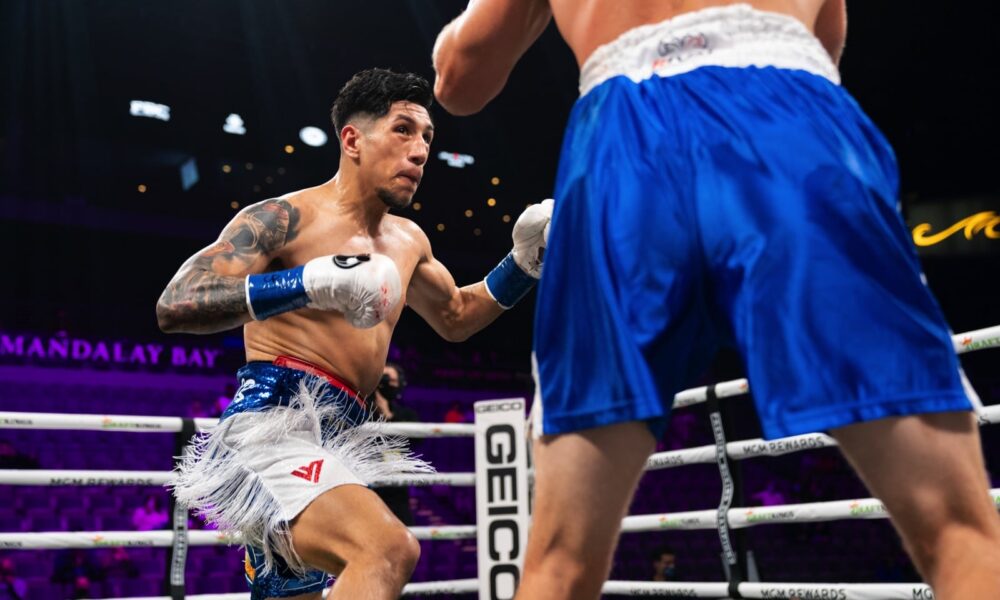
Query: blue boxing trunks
x,y
290,434
718,187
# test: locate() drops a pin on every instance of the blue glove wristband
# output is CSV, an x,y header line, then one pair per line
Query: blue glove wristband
x,y
269,294
507,283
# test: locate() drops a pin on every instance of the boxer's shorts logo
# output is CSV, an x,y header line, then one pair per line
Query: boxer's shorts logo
x,y
349,262
309,472
246,385
675,48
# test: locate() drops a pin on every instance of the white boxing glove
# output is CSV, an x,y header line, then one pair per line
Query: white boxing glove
x,y
531,235
365,287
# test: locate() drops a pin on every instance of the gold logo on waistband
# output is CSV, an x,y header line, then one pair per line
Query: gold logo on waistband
x,y
987,222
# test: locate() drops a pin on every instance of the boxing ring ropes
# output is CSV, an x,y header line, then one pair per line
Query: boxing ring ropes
x,y
502,514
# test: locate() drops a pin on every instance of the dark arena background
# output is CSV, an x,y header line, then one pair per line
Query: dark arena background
x,y
131,132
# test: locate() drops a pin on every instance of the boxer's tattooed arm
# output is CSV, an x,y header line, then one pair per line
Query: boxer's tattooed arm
x,y
207,294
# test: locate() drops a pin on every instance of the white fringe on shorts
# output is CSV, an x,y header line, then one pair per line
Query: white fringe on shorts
x,y
215,481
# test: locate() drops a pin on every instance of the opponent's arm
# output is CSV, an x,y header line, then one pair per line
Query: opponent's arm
x,y
208,293
831,28
474,54
457,313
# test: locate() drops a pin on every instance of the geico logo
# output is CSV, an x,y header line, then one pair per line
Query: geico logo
x,y
503,580
500,438
500,406
513,540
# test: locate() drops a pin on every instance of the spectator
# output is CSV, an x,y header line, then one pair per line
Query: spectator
x,y
77,571
664,563
10,458
387,406
11,586
151,515
119,567
771,495
224,399
454,414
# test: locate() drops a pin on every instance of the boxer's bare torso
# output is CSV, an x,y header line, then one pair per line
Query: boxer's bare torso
x,y
476,52
318,226
344,216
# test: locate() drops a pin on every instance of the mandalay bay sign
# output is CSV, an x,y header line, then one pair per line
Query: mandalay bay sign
x,y
67,350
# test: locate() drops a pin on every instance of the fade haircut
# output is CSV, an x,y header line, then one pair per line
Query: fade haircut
x,y
373,91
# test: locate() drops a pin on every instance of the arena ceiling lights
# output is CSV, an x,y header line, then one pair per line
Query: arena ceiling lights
x,y
151,110
456,160
313,136
234,125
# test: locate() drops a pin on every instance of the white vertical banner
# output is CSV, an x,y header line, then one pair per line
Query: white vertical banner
x,y
501,496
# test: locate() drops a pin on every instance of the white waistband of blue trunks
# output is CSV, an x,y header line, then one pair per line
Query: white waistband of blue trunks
x,y
737,35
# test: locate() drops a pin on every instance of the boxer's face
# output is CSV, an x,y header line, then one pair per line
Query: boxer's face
x,y
395,151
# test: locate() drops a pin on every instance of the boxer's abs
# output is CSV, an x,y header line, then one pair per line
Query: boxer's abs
x,y
587,24
325,340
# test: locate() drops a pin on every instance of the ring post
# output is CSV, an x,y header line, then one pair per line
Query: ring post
x,y
501,496
734,554
179,519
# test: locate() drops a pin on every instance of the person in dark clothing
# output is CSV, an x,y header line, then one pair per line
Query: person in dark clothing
x,y
386,400
11,458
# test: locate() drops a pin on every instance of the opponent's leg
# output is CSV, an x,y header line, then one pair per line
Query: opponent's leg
x,y
583,484
928,470
349,530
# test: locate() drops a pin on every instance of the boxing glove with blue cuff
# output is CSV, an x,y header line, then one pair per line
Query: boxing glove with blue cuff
x,y
518,272
365,287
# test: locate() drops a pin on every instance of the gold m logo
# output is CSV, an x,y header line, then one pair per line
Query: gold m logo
x,y
988,222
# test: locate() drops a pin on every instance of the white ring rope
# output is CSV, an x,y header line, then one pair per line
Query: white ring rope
x,y
456,586
739,518
740,450
153,478
804,591
750,516
130,423
164,538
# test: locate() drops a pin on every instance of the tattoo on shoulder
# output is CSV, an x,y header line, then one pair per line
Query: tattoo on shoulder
x,y
260,229
205,300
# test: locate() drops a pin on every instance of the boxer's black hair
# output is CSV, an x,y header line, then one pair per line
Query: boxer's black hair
x,y
372,91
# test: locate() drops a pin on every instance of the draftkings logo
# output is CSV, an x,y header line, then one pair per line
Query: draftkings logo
x,y
666,522
969,345
109,423
859,510
754,517
99,541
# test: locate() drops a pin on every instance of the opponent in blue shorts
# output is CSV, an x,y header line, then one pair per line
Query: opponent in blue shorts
x,y
718,187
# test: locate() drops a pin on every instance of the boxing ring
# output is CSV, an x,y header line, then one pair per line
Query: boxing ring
x,y
502,470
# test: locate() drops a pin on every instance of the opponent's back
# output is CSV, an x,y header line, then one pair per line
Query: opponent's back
x,y
587,24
